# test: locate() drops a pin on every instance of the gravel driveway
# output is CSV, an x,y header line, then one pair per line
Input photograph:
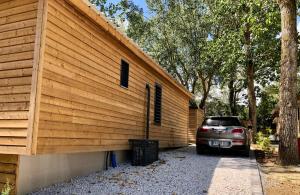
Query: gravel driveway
x,y
179,171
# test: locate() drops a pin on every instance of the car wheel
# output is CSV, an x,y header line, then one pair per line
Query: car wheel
x,y
200,150
246,151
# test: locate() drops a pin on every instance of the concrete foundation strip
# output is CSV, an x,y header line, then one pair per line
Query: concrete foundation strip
x,y
256,181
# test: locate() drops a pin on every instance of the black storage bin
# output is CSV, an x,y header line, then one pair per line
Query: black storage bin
x,y
144,152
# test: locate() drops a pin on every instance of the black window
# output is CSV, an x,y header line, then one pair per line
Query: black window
x,y
124,74
157,104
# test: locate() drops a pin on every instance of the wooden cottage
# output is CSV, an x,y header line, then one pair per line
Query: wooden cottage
x,y
71,87
196,118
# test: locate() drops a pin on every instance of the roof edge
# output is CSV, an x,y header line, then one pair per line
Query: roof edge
x,y
90,10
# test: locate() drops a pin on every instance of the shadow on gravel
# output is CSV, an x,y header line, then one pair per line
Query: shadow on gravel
x,y
179,171
226,153
198,170
232,168
227,164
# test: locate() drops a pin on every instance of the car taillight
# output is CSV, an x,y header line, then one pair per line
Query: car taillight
x,y
237,130
201,129
238,141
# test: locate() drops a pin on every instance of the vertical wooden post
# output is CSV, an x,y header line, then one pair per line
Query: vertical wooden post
x,y
37,77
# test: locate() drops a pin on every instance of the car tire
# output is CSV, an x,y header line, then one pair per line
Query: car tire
x,y
246,152
200,150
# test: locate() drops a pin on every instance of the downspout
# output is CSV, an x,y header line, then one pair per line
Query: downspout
x,y
148,111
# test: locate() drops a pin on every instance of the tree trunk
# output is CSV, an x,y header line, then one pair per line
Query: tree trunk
x,y
203,100
206,84
288,150
251,95
232,98
250,80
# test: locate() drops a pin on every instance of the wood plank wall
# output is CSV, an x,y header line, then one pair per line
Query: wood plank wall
x,y
17,37
196,117
298,116
83,107
9,170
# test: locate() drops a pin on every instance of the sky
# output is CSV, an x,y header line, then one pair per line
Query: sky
x,y
141,3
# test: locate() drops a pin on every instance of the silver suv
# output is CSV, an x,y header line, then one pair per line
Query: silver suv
x,y
223,133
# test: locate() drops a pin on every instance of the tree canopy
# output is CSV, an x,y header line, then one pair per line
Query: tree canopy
x,y
202,43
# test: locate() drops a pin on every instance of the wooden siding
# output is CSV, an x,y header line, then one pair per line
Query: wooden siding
x,y
83,107
196,117
17,42
298,101
9,171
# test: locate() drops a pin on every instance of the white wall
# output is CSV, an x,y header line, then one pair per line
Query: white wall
x,y
43,170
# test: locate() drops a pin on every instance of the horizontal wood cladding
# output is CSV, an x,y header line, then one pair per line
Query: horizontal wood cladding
x,y
83,107
17,41
298,110
9,170
93,13
196,118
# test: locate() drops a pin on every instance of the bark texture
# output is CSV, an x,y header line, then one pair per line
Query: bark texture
x,y
206,85
288,150
250,79
232,98
235,88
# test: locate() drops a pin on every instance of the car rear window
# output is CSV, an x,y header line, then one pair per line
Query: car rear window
x,y
222,121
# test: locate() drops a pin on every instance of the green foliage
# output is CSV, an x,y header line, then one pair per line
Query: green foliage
x,y
201,43
268,100
263,140
193,104
6,189
263,19
119,13
100,4
217,108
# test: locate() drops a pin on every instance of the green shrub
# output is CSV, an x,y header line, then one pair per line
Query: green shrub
x,y
263,140
6,189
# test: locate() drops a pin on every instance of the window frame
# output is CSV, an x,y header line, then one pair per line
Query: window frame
x,y
122,74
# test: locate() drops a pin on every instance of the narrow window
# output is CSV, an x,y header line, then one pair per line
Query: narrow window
x,y
124,74
157,104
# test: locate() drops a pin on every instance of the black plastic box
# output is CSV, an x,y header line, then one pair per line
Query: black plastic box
x,y
144,152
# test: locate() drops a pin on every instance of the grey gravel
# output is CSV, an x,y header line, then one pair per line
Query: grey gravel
x,y
179,171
